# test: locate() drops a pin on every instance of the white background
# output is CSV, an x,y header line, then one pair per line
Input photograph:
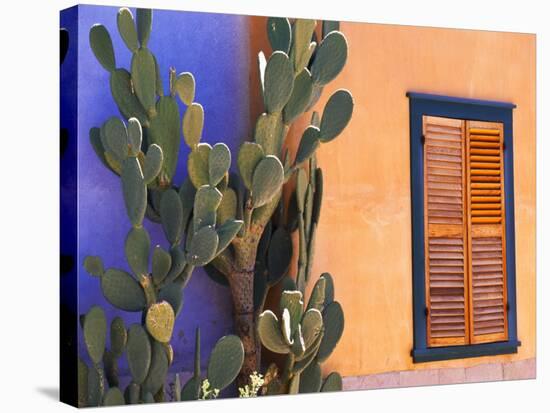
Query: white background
x,y
29,206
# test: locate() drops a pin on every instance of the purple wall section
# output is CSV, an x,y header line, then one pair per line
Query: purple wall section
x,y
215,48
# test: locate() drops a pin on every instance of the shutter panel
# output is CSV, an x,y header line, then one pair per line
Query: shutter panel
x,y
445,233
487,266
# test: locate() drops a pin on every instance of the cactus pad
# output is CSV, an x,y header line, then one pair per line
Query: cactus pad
x,y
312,325
94,266
197,165
185,87
137,247
95,333
162,261
332,383
127,28
204,246
153,163
171,215
226,232
102,46
113,397
225,361
330,58
144,77
301,95
302,33
279,255
278,82
119,336
207,201
311,379
308,144
138,353
219,161
193,122
123,94
134,190
159,367
160,321
279,33
122,291
267,180
250,154
333,321
336,115
270,333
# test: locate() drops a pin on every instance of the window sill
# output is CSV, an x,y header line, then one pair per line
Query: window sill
x,y
460,352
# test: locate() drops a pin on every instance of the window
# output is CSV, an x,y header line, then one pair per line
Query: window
x,y
462,227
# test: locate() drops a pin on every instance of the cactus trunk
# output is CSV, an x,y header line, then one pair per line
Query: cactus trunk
x,y
242,290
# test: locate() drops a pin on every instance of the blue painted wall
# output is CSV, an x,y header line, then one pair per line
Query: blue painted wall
x,y
215,48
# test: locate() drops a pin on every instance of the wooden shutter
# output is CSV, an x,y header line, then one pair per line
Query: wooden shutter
x,y
445,232
486,235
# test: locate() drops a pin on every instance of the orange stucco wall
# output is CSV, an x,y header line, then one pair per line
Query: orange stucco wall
x,y
364,237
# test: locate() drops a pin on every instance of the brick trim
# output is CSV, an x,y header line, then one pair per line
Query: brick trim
x,y
514,370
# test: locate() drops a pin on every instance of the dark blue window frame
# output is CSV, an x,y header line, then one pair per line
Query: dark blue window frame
x,y
421,104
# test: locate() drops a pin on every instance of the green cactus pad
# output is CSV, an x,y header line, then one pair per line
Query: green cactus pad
x,y
158,370
178,263
330,26
298,345
158,81
329,288
127,28
332,383
102,46
204,246
122,291
138,353
125,98
336,115
317,297
278,82
162,261
288,284
94,266
119,336
110,366
193,122
95,333
312,325
114,138
267,180
172,294
269,133
301,189
301,95
144,24
279,255
134,190
197,164
279,33
131,394
165,132
137,248
134,136
95,140
308,144
144,75
270,333
82,383
96,387
250,154
191,389
207,201
330,58
113,397
160,321
318,196
187,195
219,161
333,321
225,361
226,232
228,207
153,163
171,215
185,87
302,33
311,379
292,300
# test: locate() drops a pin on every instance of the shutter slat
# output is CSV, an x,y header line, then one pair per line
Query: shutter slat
x,y
445,243
487,263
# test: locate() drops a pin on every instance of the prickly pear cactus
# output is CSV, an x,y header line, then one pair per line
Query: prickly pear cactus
x,y
234,225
